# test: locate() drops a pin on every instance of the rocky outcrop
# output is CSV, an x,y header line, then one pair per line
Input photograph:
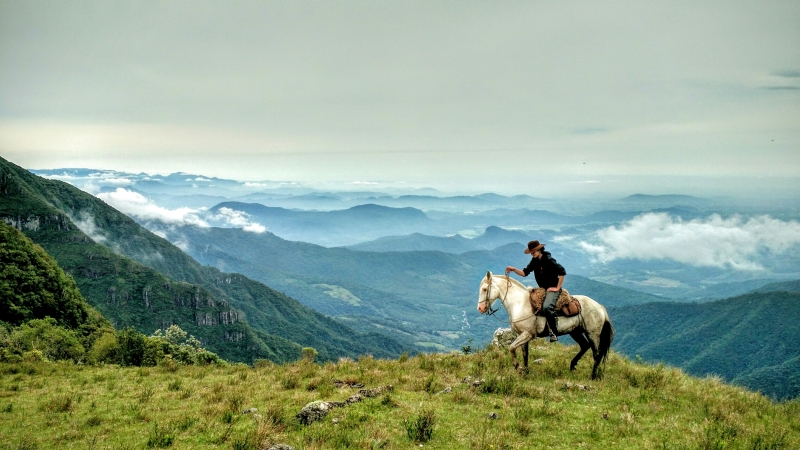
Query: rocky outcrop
x,y
503,337
317,410
56,222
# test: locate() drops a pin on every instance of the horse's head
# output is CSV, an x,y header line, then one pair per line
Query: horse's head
x,y
487,294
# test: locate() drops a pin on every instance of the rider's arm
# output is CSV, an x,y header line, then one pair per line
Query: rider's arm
x,y
516,271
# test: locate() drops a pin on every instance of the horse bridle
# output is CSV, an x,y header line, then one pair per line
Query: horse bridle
x,y
491,311
489,284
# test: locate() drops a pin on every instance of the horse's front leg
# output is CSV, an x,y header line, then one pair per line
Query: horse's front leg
x,y
525,354
523,338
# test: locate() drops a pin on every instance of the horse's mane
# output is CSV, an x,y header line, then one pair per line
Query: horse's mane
x,y
513,281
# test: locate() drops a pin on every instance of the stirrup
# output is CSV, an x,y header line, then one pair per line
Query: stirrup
x,y
553,338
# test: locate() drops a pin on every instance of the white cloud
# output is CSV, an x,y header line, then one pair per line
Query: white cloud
x,y
135,204
86,224
715,241
250,184
118,181
238,219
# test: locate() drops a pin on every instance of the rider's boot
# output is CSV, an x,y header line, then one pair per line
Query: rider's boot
x,y
552,328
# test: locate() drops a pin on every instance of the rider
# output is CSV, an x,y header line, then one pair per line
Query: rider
x,y
549,275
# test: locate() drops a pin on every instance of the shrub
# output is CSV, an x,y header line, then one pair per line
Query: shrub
x,y
420,428
308,354
55,343
106,349
131,347
168,363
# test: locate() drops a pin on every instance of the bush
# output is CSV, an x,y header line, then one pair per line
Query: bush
x,y
131,347
54,342
420,428
309,354
106,349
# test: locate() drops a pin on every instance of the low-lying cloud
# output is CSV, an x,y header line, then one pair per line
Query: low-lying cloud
x,y
715,241
85,222
135,204
238,219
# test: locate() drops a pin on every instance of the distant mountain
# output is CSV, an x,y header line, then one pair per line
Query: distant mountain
x,y
235,317
787,286
492,237
650,202
340,227
416,242
752,340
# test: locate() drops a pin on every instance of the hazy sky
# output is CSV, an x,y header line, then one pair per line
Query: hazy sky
x,y
535,97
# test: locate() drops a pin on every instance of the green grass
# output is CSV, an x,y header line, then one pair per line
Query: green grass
x,y
62,405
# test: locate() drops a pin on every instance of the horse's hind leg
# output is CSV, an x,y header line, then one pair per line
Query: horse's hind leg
x,y
594,341
578,337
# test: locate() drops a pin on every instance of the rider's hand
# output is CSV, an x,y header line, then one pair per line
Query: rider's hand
x,y
553,289
509,269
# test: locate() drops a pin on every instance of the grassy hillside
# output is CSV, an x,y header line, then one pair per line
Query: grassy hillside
x,y
752,340
635,406
136,278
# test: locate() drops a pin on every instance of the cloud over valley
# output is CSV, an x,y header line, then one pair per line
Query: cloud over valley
x,y
715,241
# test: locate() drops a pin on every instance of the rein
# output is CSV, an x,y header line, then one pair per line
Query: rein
x,y
491,312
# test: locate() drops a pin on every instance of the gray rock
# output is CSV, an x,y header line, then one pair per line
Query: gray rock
x,y
250,411
503,337
281,447
317,410
314,411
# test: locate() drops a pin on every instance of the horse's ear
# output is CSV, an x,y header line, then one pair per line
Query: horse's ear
x,y
488,275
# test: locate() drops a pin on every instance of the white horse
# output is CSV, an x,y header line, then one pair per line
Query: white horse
x,y
590,329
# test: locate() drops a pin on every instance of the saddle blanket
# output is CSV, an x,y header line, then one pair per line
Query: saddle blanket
x,y
566,305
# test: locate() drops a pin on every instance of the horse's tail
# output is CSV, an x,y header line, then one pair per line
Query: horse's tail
x,y
606,336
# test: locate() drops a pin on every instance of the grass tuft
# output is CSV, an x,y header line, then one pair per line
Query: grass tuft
x,y
160,437
420,428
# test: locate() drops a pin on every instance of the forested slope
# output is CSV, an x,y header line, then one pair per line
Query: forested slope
x,y
752,340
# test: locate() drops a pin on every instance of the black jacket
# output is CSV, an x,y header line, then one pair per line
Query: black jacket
x,y
546,270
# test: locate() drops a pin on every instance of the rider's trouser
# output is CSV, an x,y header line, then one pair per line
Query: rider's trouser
x,y
549,309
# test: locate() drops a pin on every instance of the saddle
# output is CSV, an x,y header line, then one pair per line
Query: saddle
x,y
566,305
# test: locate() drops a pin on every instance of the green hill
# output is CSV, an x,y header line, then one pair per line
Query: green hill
x,y
432,401
752,339
33,286
135,278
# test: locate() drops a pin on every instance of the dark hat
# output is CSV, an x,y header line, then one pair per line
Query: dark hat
x,y
533,246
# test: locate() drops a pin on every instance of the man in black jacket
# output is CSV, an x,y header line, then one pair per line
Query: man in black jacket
x,y
549,275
